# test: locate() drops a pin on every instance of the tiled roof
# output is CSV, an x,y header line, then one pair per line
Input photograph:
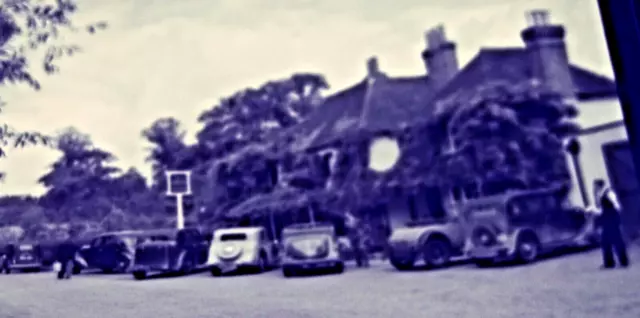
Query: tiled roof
x,y
512,65
391,102
377,107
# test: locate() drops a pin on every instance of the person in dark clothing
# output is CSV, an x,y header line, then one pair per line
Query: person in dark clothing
x,y
611,241
357,239
7,258
66,257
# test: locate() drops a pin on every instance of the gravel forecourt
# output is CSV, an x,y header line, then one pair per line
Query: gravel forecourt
x,y
563,287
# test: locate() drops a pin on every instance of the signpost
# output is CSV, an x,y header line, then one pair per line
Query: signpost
x,y
178,186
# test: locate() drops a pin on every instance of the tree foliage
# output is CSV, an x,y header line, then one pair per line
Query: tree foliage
x,y
168,149
27,28
79,177
502,136
256,115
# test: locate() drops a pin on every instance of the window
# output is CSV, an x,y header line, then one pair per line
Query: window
x,y
233,237
413,209
434,202
273,172
96,242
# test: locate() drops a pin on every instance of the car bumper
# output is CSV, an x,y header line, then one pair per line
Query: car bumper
x,y
495,253
232,266
25,266
151,268
313,264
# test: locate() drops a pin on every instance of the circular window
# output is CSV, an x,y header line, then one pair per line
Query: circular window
x,y
384,153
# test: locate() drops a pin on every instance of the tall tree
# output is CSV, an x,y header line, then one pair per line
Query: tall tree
x,y
255,115
168,148
77,182
28,26
248,118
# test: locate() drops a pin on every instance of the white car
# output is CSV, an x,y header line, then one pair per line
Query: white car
x,y
241,248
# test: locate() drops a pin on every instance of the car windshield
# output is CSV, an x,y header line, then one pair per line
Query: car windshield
x,y
307,236
233,237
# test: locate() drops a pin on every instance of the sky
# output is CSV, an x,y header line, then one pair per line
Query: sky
x,y
176,58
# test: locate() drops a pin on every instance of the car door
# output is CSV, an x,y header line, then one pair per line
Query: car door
x,y
92,255
111,250
200,247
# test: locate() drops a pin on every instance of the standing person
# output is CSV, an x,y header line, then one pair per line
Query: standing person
x,y
66,256
356,239
609,209
7,258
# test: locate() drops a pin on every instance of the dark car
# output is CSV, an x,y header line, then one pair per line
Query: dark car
x,y
113,252
173,251
26,256
310,247
523,225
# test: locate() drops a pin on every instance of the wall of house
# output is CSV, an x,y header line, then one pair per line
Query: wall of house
x,y
592,160
597,112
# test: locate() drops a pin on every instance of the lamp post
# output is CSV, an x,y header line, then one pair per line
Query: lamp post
x,y
573,148
179,186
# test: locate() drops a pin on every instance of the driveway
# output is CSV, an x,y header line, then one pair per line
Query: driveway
x,y
563,287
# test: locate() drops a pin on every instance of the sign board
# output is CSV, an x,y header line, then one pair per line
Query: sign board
x,y
178,183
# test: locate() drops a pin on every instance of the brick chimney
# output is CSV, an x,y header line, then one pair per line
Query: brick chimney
x,y
440,57
548,53
373,69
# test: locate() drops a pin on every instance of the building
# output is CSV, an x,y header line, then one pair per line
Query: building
x,y
381,104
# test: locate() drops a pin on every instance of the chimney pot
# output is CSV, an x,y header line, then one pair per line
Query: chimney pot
x,y
435,37
372,66
440,57
537,17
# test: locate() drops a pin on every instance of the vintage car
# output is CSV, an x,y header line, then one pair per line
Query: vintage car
x,y
521,226
310,246
27,257
112,252
242,248
174,251
430,242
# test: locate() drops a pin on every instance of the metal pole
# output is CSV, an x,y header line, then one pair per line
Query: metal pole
x,y
179,212
273,225
580,178
311,216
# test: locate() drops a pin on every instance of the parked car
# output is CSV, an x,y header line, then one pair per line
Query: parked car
x,y
432,243
173,251
310,246
242,248
523,225
27,257
112,252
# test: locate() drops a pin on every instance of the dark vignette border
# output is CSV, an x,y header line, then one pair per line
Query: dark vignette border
x,y
622,30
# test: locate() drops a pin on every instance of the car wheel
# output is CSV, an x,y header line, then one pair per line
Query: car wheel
x,y
483,262
437,253
77,270
288,272
123,266
339,269
187,267
139,275
262,264
527,249
402,265
215,272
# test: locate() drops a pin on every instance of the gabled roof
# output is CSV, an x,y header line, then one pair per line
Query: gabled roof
x,y
379,106
512,65
388,103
